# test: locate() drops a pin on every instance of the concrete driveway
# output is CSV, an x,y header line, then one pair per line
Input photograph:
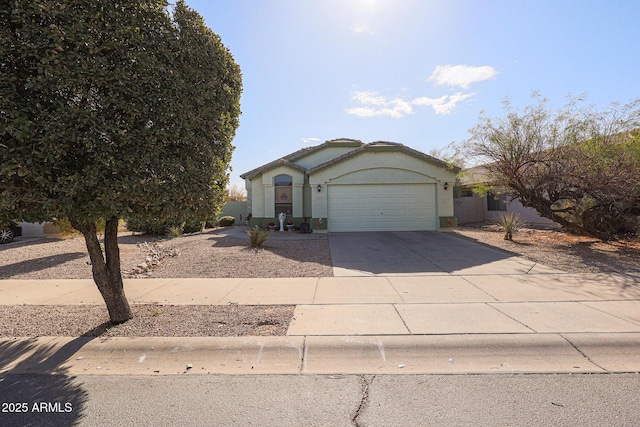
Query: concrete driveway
x,y
421,253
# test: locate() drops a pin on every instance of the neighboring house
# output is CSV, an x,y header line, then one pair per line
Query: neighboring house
x,y
346,185
236,209
470,207
44,229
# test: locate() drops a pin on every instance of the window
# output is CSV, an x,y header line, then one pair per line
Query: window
x,y
496,202
283,194
466,192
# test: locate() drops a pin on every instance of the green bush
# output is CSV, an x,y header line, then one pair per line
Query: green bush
x,y
257,236
159,228
193,226
226,221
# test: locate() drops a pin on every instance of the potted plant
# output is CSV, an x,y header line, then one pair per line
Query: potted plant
x,y
272,226
290,225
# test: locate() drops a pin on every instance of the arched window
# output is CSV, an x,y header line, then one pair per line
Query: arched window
x,y
284,194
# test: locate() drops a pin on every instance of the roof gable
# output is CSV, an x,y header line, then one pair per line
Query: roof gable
x,y
291,159
340,142
382,146
264,168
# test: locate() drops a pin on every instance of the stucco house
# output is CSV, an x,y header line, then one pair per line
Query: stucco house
x,y
347,185
43,229
470,207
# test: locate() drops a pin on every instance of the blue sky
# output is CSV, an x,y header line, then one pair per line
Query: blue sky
x,y
417,72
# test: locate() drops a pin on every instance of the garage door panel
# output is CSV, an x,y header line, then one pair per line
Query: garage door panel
x,y
394,207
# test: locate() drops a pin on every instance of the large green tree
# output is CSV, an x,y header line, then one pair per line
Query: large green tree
x,y
578,166
112,110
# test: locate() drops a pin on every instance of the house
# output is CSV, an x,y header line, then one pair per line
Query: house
x,y
43,229
346,185
469,207
237,209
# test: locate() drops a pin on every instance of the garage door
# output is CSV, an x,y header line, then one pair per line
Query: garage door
x,y
393,207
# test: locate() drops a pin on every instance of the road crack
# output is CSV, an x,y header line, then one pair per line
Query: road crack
x,y
364,401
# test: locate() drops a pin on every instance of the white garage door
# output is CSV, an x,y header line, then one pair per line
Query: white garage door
x,y
393,207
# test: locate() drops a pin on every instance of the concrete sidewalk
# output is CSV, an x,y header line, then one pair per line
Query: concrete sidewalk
x,y
364,325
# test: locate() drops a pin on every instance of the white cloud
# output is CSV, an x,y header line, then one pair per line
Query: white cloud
x,y
305,140
444,104
370,98
461,75
375,105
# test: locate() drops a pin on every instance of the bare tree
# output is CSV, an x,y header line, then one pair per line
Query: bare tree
x,y
235,193
579,167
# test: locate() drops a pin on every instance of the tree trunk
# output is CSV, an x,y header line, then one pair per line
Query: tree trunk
x,y
106,268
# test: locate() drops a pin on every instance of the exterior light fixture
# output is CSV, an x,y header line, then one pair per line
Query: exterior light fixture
x,y
319,188
446,185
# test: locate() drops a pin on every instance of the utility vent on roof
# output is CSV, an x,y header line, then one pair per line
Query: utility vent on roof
x,y
387,143
345,140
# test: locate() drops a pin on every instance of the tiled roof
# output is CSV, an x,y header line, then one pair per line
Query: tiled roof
x,y
473,175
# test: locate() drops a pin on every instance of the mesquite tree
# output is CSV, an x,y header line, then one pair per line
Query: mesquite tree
x,y
578,166
112,110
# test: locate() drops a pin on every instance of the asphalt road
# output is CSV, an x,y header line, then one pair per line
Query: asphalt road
x,y
318,400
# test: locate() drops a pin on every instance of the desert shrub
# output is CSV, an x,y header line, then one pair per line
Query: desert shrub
x,y
257,236
510,222
145,226
175,230
193,226
159,228
226,221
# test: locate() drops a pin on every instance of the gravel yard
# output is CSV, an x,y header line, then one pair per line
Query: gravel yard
x,y
225,253
566,252
149,320
213,253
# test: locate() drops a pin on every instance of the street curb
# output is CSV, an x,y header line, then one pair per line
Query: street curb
x,y
418,354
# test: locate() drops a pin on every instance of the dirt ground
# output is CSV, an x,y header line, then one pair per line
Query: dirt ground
x,y
564,251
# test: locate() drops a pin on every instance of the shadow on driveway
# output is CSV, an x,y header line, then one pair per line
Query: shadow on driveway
x,y
418,253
